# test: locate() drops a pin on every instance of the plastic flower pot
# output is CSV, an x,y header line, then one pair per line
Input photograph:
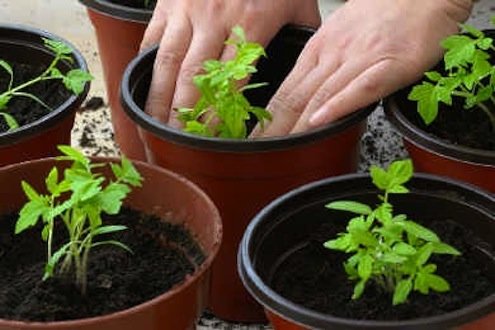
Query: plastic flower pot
x,y
39,138
164,194
119,30
435,155
290,224
242,176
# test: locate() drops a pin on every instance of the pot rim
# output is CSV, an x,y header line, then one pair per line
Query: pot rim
x,y
265,144
282,306
119,11
188,281
68,107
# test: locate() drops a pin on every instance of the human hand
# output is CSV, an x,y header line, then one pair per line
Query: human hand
x,y
192,31
364,51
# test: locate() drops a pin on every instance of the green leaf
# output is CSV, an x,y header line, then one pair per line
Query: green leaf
x,y
433,76
108,229
404,249
76,80
6,66
29,215
341,243
359,289
427,101
365,267
424,254
115,243
58,47
472,30
111,197
52,262
72,154
460,51
420,231
402,291
10,120
52,181
4,100
350,206
379,177
443,248
436,282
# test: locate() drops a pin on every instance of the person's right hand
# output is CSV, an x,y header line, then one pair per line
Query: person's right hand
x,y
192,31
364,51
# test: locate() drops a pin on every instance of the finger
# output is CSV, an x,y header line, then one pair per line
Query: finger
x,y
154,31
172,49
370,86
296,90
332,86
287,104
204,46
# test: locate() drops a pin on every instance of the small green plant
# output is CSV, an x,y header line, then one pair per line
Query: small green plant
x,y
468,75
74,80
222,108
391,250
77,200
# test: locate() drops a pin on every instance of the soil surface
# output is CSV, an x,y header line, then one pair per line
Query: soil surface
x,y
25,110
309,278
135,3
459,126
163,255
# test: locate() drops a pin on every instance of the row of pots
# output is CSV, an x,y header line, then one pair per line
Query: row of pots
x,y
241,177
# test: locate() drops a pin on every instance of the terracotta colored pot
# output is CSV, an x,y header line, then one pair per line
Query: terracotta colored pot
x,y
438,156
282,228
41,137
164,194
242,176
119,30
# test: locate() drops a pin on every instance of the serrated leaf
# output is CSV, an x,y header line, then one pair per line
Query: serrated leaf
x,y
427,101
341,243
76,80
112,196
379,177
460,51
29,215
350,206
58,47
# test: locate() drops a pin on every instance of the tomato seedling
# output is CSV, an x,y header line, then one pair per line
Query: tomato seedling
x,y
391,250
469,75
222,109
74,80
77,201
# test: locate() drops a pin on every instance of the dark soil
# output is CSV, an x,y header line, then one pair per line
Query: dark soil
x,y
25,110
309,277
163,256
465,127
135,3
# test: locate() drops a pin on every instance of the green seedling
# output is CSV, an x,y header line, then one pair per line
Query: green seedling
x,y
74,80
77,201
391,250
222,109
468,75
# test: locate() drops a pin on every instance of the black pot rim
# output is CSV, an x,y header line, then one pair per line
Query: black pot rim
x,y
67,108
169,133
118,11
279,305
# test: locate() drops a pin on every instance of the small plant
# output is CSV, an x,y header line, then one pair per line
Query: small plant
x,y
222,108
391,250
74,80
469,75
77,200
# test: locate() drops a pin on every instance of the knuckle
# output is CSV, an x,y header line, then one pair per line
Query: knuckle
x,y
166,59
288,102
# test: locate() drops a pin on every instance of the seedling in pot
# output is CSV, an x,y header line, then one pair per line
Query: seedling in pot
x,y
77,202
74,80
222,109
389,249
468,75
